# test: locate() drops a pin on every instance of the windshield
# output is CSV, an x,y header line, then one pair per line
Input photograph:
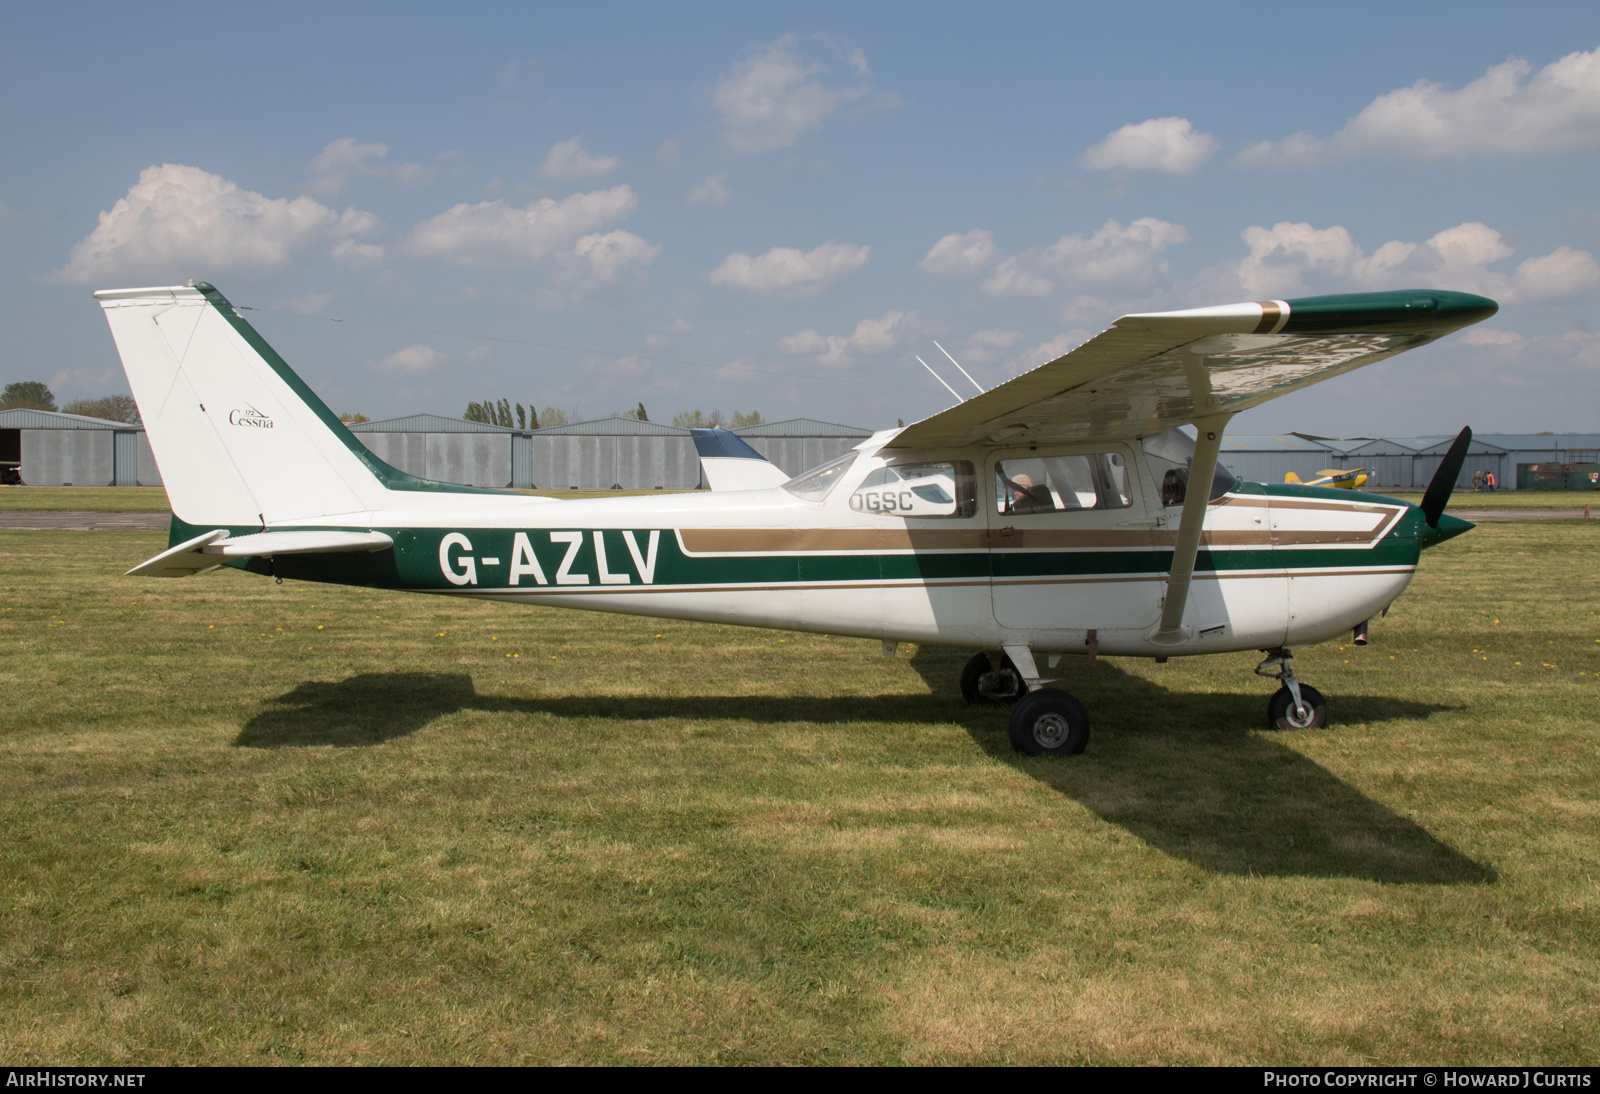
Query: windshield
x,y
815,484
1170,455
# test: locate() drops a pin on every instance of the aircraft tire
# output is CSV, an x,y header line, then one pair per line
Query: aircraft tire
x,y
1048,722
1281,712
973,672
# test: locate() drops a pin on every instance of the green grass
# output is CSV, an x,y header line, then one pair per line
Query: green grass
x,y
1507,499
250,823
95,499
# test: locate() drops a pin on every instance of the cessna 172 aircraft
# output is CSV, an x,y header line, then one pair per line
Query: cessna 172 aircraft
x,y
1061,512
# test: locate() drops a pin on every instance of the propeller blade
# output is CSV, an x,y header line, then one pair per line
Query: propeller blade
x,y
1444,480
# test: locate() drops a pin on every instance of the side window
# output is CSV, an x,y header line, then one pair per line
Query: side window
x,y
919,490
1052,484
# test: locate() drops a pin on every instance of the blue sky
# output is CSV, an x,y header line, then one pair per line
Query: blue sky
x,y
777,207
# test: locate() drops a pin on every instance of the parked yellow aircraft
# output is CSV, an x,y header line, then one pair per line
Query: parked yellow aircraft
x,y
1352,479
1061,512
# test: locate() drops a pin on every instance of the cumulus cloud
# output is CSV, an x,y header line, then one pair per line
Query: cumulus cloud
x,y
1502,113
354,255
599,263
1295,259
568,160
963,254
1168,145
180,221
871,336
339,161
985,346
711,191
1125,258
411,361
494,233
779,90
1048,350
310,303
785,271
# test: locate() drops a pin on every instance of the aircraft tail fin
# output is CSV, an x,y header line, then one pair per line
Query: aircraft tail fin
x,y
240,439
731,464
1291,477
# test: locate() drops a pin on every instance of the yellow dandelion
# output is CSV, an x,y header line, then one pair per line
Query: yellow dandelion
x,y
319,626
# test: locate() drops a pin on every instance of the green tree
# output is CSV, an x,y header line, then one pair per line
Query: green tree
x,y
113,408
552,416
522,417
27,395
643,417
752,418
353,419
699,419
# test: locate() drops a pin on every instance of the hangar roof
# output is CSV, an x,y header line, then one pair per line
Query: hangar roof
x,y
21,418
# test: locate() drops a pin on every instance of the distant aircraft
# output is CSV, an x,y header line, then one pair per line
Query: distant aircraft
x,y
1352,479
1061,512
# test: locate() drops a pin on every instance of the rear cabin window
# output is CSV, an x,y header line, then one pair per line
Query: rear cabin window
x,y
818,483
1054,484
919,490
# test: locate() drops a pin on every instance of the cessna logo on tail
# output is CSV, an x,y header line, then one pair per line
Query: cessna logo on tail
x,y
251,417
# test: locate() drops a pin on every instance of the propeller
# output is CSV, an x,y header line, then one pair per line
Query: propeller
x,y
1444,479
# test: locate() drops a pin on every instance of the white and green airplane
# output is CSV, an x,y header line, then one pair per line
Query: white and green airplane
x,y
1056,513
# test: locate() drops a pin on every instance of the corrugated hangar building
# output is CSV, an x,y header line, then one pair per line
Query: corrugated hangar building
x,y
48,448
601,454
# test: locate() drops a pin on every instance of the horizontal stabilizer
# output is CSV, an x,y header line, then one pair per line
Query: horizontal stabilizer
x,y
207,552
731,464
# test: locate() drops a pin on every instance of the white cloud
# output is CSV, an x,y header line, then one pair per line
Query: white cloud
x,y
600,262
776,92
353,255
1499,114
411,361
1168,145
568,160
964,254
1491,336
1295,259
310,303
1116,257
339,161
179,222
785,271
493,233
871,336
1048,351
713,190
985,346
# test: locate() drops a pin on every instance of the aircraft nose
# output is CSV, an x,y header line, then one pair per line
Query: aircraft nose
x,y
1448,528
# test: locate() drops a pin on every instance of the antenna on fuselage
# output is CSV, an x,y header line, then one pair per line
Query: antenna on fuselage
x,y
936,376
964,372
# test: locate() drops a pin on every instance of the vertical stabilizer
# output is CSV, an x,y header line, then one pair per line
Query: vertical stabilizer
x,y
240,439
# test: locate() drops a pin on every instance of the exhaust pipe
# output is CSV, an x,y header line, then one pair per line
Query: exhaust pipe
x,y
1359,635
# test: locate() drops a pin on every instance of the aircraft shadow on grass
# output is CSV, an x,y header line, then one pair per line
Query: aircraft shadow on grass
x,y
1186,773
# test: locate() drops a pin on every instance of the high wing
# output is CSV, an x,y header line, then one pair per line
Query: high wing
x,y
1151,372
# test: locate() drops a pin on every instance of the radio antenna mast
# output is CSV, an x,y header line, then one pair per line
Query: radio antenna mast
x,y
936,376
964,372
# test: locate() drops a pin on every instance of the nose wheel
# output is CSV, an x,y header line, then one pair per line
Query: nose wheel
x,y
1294,705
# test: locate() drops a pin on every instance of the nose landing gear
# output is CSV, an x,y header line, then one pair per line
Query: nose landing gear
x,y
1294,705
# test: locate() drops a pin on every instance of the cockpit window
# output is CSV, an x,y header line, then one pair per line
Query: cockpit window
x,y
1051,484
816,484
1170,455
919,490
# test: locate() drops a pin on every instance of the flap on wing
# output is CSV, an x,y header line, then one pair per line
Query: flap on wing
x,y
1151,372
206,552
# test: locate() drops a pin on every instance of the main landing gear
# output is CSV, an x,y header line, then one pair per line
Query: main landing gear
x,y
1294,705
1044,721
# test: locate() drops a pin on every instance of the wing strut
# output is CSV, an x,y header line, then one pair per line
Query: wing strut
x,y
1207,445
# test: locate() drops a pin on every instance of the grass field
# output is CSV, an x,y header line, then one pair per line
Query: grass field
x,y
250,823
1510,499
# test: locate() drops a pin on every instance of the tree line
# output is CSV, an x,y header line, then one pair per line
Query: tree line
x,y
35,395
